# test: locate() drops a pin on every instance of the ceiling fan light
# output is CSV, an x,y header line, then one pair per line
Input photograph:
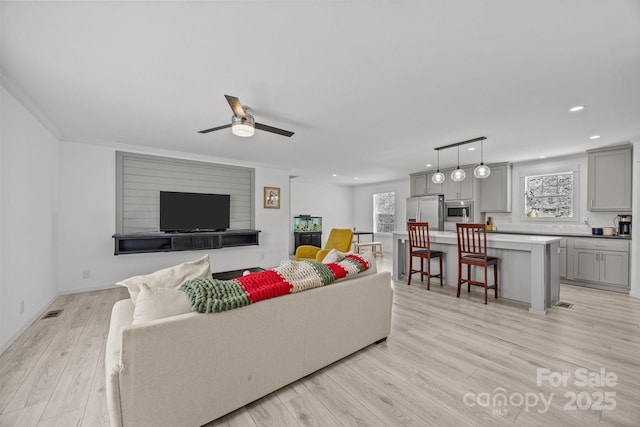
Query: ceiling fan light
x,y
438,178
242,126
458,175
242,130
482,171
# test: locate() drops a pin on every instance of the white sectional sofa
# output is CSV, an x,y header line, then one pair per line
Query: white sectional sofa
x,y
189,369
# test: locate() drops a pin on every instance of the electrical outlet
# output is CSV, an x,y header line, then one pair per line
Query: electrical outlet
x,y
21,307
86,274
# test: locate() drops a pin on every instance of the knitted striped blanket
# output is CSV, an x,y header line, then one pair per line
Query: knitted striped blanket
x,y
213,295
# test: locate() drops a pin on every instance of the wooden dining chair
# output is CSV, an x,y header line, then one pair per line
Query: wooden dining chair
x,y
420,247
472,252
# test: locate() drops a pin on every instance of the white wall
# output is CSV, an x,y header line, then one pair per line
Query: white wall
x,y
635,229
87,222
334,203
514,220
29,210
363,208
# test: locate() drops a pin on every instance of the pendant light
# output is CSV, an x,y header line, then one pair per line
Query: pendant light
x,y
482,171
438,177
458,174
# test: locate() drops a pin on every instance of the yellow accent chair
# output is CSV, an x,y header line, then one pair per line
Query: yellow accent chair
x,y
339,239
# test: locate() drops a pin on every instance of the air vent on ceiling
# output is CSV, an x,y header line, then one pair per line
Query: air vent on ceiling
x,y
52,313
564,304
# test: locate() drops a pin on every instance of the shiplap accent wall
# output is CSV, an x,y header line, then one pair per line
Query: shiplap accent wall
x,y
141,177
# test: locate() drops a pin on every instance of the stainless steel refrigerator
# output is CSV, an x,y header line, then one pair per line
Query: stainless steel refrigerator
x,y
427,209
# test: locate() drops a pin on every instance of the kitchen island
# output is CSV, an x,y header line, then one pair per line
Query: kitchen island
x,y
528,268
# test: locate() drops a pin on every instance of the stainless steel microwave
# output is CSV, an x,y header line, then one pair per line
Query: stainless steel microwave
x,y
461,211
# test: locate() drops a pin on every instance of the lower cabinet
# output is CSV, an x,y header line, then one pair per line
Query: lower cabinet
x,y
602,262
601,266
313,238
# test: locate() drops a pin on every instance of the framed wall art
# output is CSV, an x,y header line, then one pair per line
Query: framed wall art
x,y
272,197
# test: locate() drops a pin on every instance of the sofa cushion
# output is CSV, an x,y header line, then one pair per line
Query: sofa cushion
x,y
157,303
171,277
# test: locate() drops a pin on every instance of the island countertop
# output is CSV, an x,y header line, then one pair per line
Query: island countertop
x,y
559,234
528,269
494,237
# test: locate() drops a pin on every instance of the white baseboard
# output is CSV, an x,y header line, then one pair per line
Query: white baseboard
x,y
93,288
28,323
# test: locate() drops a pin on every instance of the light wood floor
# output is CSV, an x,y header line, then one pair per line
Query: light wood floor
x,y
440,350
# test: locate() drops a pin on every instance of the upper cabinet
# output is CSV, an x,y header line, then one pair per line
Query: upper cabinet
x,y
422,185
418,184
609,179
495,190
462,190
432,187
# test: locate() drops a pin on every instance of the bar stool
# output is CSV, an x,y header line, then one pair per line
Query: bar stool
x,y
420,246
472,251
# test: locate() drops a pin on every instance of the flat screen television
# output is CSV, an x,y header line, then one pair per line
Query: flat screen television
x,y
192,212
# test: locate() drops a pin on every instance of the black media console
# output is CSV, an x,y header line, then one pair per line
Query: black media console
x,y
137,243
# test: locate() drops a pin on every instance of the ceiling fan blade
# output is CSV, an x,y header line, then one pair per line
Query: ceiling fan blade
x,y
272,129
236,106
212,129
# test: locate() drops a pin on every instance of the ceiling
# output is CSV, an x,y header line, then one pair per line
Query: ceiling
x,y
370,88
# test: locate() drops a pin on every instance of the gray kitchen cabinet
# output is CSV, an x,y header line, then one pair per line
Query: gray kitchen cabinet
x,y
586,265
462,190
418,184
495,190
433,188
614,268
601,261
609,179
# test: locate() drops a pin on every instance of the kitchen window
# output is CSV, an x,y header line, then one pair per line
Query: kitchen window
x,y
550,197
384,212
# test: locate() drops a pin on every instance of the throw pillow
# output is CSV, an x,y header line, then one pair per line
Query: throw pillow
x,y
171,277
158,303
334,256
330,257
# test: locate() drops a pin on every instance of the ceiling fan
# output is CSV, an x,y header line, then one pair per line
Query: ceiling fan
x,y
242,122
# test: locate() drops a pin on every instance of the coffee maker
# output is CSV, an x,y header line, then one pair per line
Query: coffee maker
x,y
624,225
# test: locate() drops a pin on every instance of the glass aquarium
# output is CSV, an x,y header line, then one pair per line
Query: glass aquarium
x,y
307,223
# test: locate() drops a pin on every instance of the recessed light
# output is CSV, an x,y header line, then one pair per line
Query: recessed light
x,y
594,137
471,148
576,108
335,174
428,165
542,157
355,177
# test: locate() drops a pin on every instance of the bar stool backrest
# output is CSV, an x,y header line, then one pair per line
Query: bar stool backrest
x,y
472,240
418,235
